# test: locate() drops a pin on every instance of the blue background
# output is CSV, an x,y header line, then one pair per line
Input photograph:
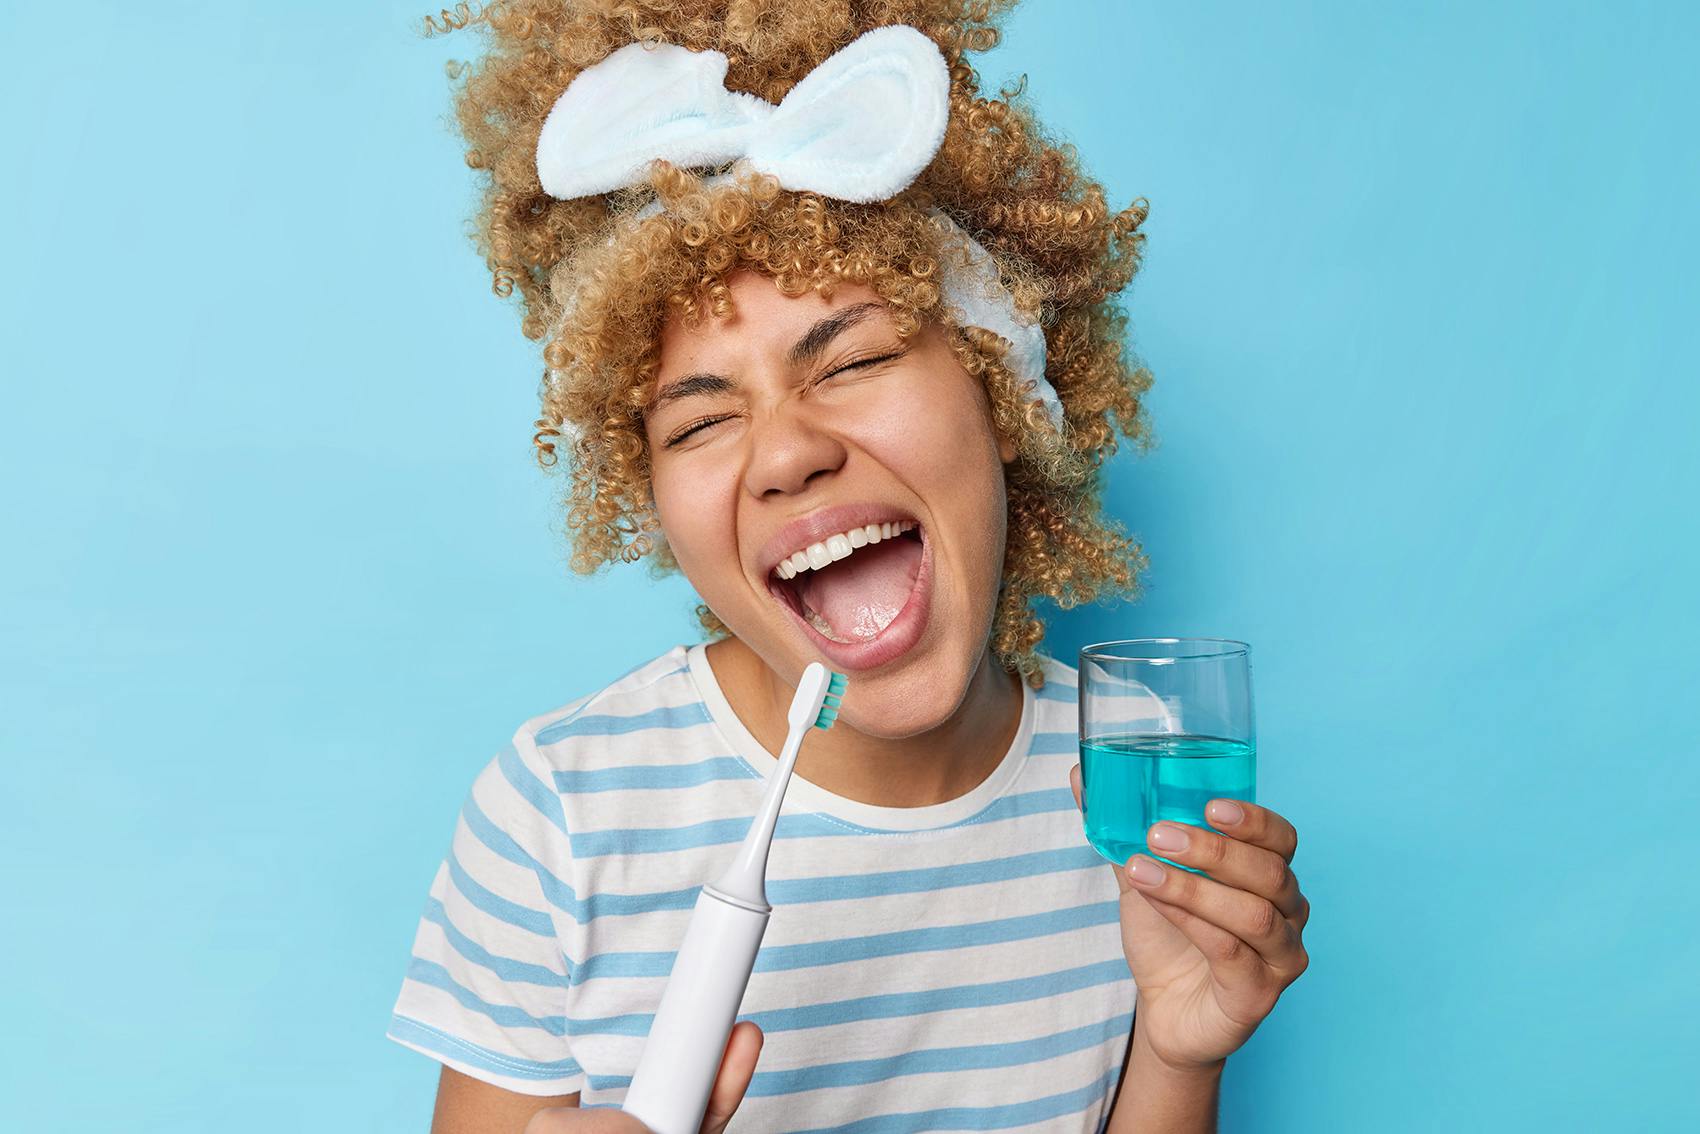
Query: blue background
x,y
279,576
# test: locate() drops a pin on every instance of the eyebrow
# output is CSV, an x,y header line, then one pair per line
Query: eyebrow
x,y
806,349
809,347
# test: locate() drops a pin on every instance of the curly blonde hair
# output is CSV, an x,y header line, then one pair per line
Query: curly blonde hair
x,y
600,286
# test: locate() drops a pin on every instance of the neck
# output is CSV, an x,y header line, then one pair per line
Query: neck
x,y
935,766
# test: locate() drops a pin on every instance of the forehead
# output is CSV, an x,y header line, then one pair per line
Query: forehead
x,y
763,321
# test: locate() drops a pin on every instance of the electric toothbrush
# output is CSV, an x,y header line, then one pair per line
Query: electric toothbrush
x,y
670,1089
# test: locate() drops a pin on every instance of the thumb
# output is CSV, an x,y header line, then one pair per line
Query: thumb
x,y
1075,783
737,1066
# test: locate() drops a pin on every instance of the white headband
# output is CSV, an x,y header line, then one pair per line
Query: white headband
x,y
860,127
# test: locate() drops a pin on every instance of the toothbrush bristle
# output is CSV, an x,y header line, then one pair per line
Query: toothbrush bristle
x,y
833,699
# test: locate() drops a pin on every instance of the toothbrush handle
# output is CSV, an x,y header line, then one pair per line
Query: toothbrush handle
x,y
687,1039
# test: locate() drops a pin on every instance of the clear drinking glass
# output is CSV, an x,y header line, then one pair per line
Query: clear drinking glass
x,y
1165,727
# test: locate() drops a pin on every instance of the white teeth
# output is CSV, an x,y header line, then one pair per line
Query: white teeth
x,y
839,546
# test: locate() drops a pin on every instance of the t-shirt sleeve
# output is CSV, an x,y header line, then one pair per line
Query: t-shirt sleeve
x,y
485,991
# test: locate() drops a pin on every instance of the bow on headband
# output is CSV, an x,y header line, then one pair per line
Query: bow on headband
x,y
860,127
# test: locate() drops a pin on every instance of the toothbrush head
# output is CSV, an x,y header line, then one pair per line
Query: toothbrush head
x,y
819,691
834,698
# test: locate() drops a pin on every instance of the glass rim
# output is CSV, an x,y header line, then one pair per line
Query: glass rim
x,y
1117,650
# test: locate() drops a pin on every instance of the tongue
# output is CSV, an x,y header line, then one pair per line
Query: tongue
x,y
859,596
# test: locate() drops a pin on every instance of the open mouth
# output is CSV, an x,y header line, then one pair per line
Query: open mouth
x,y
861,593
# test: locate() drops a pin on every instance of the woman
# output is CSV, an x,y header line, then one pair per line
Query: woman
x,y
767,388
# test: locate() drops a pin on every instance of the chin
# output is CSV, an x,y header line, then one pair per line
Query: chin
x,y
911,699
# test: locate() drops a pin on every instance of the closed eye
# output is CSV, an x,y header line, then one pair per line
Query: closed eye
x,y
715,419
687,430
858,364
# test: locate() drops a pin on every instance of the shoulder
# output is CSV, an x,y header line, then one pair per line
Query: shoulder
x,y
517,798
659,693
650,694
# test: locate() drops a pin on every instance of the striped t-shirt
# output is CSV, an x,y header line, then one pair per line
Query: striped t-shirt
x,y
951,967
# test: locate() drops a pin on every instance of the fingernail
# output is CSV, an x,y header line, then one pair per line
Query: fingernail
x,y
1144,872
1225,812
1167,836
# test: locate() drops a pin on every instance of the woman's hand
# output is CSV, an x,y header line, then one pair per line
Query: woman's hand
x,y
738,1063
1210,956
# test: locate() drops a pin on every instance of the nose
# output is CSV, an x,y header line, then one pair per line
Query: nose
x,y
788,452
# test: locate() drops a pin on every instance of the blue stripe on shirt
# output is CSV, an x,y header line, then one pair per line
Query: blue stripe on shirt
x,y
891,1005
643,777
659,962
1026,803
980,1117
433,975
1055,744
505,967
800,891
1057,691
811,825
672,776
562,726
915,880
1019,928
409,1030
948,1118
558,893
688,715
927,1061
535,791
498,907
855,887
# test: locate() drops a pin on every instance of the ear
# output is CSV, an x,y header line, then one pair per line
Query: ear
x,y
1006,450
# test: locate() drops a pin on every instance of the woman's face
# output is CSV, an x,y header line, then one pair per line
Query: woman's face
x,y
789,428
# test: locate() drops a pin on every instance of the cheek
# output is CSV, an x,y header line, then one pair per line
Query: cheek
x,y
695,510
937,436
